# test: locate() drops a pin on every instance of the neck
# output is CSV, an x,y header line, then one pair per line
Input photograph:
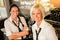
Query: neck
x,y
14,19
38,23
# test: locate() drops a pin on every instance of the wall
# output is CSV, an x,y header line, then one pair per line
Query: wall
x,y
55,2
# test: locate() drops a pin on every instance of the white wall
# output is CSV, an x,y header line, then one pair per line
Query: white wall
x,y
3,13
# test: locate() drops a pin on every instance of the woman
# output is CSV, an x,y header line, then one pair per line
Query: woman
x,y
14,24
41,29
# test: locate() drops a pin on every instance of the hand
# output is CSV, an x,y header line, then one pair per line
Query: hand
x,y
25,27
25,31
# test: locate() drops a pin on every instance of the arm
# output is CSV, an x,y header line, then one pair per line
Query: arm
x,y
14,35
19,34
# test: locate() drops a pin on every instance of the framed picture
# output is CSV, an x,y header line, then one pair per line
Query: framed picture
x,y
2,3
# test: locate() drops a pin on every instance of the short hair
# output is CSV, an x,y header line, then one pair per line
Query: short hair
x,y
38,6
13,5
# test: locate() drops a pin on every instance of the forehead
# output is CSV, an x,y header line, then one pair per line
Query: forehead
x,y
36,10
14,8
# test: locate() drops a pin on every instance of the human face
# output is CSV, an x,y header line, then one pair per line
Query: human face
x,y
37,14
14,12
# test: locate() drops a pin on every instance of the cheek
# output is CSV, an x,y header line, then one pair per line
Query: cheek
x,y
39,15
15,14
33,16
12,13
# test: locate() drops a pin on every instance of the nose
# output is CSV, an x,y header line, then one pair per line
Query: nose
x,y
16,12
36,15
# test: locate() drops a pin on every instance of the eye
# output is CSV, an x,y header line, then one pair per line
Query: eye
x,y
33,13
38,13
13,11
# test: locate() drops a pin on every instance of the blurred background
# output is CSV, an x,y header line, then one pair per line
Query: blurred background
x,y
52,13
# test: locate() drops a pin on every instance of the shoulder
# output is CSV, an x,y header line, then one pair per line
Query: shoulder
x,y
49,26
7,21
23,20
21,17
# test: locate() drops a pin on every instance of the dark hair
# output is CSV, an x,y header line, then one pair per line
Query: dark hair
x,y
13,5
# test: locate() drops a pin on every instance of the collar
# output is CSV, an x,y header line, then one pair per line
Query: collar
x,y
41,25
11,19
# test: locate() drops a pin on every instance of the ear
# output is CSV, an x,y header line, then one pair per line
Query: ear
x,y
10,12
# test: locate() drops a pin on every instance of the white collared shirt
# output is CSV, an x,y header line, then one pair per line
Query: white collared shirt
x,y
47,31
10,27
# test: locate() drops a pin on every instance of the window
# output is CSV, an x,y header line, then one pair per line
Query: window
x,y
25,5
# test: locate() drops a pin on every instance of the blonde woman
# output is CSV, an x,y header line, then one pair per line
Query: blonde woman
x,y
42,30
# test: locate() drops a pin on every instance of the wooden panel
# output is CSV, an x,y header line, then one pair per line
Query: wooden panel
x,y
55,2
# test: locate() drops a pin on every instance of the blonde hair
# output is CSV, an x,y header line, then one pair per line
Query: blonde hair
x,y
38,6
